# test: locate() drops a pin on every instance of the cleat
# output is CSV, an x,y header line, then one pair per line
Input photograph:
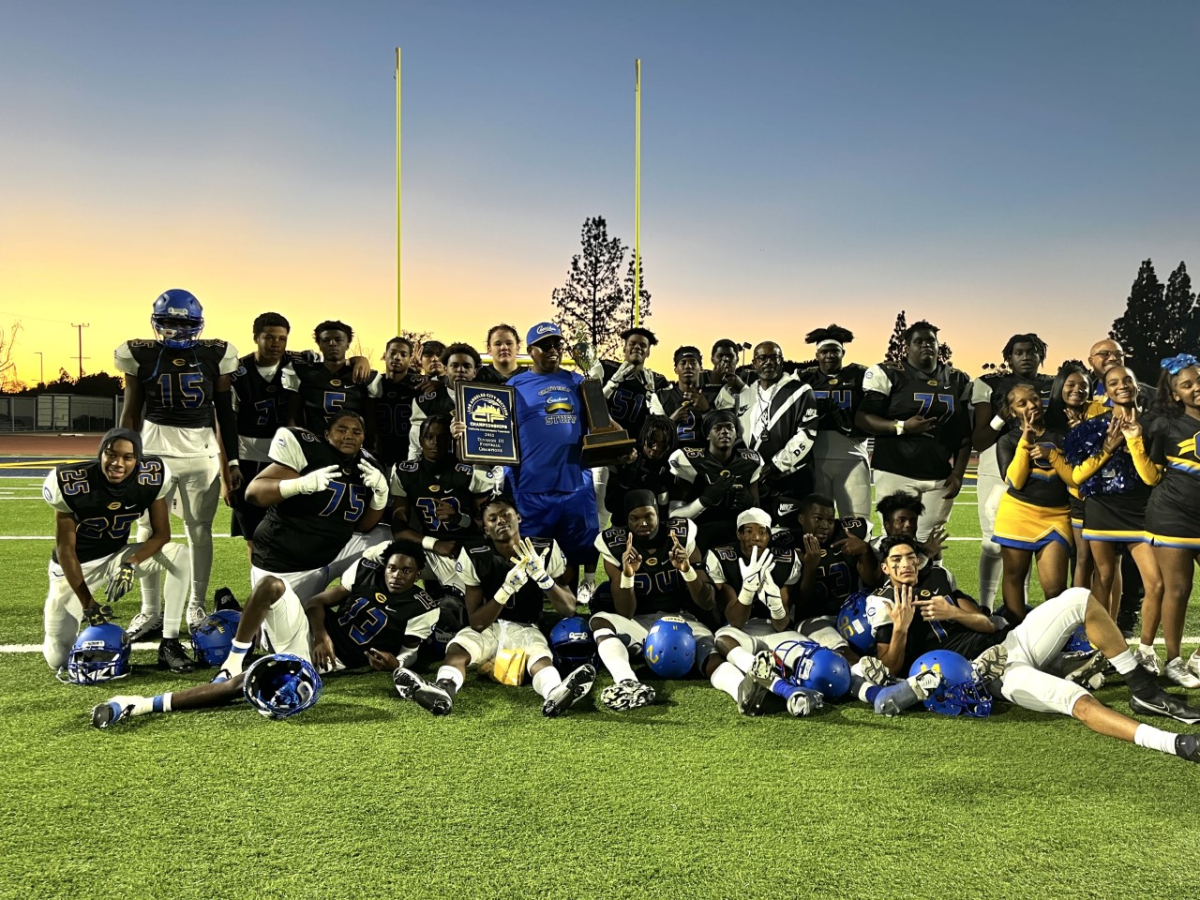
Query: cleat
x,y
113,711
1090,672
172,657
1193,663
1178,672
573,689
436,697
583,596
628,694
1164,704
991,663
756,684
1148,660
144,627
1187,746
195,616
874,671
223,599
804,701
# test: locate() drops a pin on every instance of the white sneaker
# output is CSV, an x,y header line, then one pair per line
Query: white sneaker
x,y
195,616
1148,660
1193,663
144,627
1178,672
583,596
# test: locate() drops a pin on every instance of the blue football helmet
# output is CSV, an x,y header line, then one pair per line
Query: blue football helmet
x,y
670,648
572,644
282,685
101,653
809,665
213,638
177,319
854,623
961,692
1078,644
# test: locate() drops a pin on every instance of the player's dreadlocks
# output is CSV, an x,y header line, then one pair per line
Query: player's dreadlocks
x,y
829,333
1039,346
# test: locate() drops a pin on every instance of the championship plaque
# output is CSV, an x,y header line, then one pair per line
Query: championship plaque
x,y
490,414
606,442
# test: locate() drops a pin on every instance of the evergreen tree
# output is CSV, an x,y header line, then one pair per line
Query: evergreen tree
x,y
1181,315
895,350
1142,330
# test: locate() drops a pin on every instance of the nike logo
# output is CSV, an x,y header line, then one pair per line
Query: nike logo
x,y
130,506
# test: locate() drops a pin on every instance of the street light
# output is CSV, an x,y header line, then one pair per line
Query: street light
x,y
746,345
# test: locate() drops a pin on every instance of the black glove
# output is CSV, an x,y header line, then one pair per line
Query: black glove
x,y
715,492
97,615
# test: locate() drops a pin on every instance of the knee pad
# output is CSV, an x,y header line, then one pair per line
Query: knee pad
x,y
601,633
736,635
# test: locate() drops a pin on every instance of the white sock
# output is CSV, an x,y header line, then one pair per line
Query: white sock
x,y
990,568
236,658
1145,649
741,658
616,659
173,605
727,678
589,578
1124,662
545,681
449,673
1155,739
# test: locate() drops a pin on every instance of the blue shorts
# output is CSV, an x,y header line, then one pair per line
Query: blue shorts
x,y
570,519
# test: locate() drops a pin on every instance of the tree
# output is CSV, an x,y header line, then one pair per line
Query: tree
x,y
895,350
1142,330
1181,315
944,352
9,381
595,305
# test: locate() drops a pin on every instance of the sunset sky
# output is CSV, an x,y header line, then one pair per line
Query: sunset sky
x,y
993,168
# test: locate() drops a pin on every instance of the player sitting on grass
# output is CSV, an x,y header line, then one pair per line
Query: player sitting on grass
x,y
379,617
911,619
507,581
96,505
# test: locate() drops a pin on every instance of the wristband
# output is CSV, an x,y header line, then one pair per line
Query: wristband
x,y
289,488
690,575
746,598
899,425
428,542
626,581
997,423
502,596
233,462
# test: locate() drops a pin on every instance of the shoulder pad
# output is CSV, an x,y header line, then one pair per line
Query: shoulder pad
x,y
752,455
616,533
408,465
140,344
679,526
212,342
482,548
305,435
784,554
541,543
854,524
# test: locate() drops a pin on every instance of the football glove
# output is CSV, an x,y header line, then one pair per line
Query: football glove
x,y
120,580
618,376
535,565
773,598
513,582
374,553
378,485
312,483
715,492
754,574
97,615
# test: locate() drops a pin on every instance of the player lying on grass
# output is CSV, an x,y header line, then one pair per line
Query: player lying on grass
x,y
96,504
376,618
913,617
507,581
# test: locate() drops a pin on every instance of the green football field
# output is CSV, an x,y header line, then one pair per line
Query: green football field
x,y
368,796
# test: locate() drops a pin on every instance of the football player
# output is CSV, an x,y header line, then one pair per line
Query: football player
x,y
436,396
438,499
724,371
96,504
840,466
508,580
714,484
394,406
684,402
650,470
630,386
376,618
324,498
912,615
652,571
331,385
263,387
920,414
504,345
177,387
900,513
1024,355
778,416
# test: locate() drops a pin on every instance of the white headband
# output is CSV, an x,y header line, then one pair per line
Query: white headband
x,y
830,342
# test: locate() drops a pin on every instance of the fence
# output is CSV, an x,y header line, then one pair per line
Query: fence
x,y
58,413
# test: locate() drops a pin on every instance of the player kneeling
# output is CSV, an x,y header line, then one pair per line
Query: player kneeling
x,y
507,581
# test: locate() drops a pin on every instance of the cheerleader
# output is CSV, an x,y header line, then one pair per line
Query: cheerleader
x,y
1171,514
1069,400
1114,475
1033,519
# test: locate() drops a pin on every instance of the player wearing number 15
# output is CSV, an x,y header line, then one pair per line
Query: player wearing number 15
x,y
172,386
920,414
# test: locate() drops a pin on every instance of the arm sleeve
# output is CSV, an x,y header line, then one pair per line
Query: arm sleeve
x,y
792,456
1014,462
227,424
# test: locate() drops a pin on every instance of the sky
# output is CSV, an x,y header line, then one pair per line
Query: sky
x,y
993,168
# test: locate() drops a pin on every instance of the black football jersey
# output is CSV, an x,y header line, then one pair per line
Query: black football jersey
x,y
423,484
436,402
925,635
487,374
722,565
836,577
657,586
308,531
1171,443
901,393
393,419
104,514
179,384
262,405
373,618
484,566
653,475
999,385
629,404
699,468
688,430
838,397
324,393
